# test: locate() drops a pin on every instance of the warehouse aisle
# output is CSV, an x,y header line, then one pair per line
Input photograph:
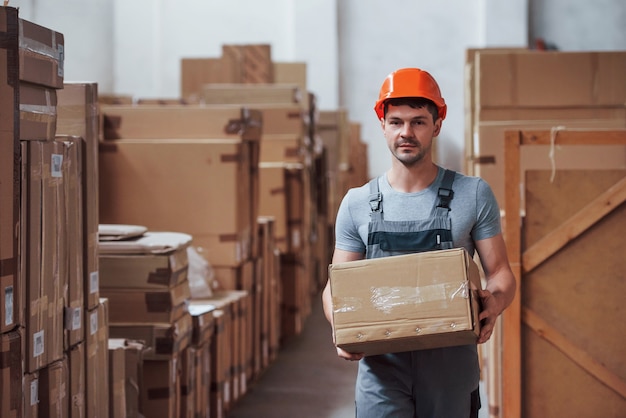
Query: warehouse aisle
x,y
307,379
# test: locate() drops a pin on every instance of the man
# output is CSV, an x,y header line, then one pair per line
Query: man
x,y
418,206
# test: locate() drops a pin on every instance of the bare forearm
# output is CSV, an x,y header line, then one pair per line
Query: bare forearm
x,y
502,285
500,288
327,303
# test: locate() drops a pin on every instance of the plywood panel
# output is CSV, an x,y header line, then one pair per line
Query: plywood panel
x,y
577,294
516,316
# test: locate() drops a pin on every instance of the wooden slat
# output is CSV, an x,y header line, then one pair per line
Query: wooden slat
x,y
574,226
511,318
574,137
494,373
579,356
511,338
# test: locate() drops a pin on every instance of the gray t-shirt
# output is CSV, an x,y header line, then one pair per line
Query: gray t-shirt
x,y
474,211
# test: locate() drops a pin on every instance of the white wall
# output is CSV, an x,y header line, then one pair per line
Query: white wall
x,y
376,39
580,25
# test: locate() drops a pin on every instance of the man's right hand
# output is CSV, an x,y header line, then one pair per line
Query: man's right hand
x,y
349,356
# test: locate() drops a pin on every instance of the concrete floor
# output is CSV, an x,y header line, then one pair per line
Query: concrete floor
x,y
306,380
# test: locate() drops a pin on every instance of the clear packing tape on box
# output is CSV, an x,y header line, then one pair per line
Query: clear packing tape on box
x,y
390,299
387,298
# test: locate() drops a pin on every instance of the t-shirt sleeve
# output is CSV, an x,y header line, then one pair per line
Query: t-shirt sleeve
x,y
347,236
487,213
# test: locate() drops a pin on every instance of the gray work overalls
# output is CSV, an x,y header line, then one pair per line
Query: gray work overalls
x,y
433,383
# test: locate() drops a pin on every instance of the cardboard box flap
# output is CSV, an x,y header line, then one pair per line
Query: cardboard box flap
x,y
203,320
137,345
148,243
162,338
199,308
115,232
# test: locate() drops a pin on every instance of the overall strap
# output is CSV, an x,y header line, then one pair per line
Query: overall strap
x,y
445,192
376,196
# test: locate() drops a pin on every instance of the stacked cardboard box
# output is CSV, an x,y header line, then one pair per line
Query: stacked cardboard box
x,y
304,168
212,198
199,376
267,267
357,172
286,176
125,376
133,137
522,89
55,169
239,64
231,349
78,116
77,124
12,375
145,280
244,279
333,130
343,165
268,93
97,395
11,317
284,195
43,288
224,345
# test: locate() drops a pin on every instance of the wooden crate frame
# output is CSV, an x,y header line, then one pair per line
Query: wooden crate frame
x,y
522,262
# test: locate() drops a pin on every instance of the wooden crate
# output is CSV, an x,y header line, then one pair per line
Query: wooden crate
x,y
562,338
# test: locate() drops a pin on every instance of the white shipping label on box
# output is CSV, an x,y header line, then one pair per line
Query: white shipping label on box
x,y
38,343
56,165
94,280
93,323
34,392
8,305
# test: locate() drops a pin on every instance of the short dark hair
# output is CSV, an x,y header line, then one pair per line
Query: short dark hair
x,y
415,103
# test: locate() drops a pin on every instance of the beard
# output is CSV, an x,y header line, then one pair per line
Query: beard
x,y
415,156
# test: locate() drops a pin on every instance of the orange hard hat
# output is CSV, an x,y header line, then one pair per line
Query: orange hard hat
x,y
410,82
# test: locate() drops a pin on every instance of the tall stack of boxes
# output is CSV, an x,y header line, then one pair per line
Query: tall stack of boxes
x,y
286,169
199,353
54,324
49,168
46,172
12,324
201,167
126,361
267,268
145,280
77,124
344,166
236,165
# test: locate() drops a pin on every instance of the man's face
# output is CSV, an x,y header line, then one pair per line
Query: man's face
x,y
409,133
